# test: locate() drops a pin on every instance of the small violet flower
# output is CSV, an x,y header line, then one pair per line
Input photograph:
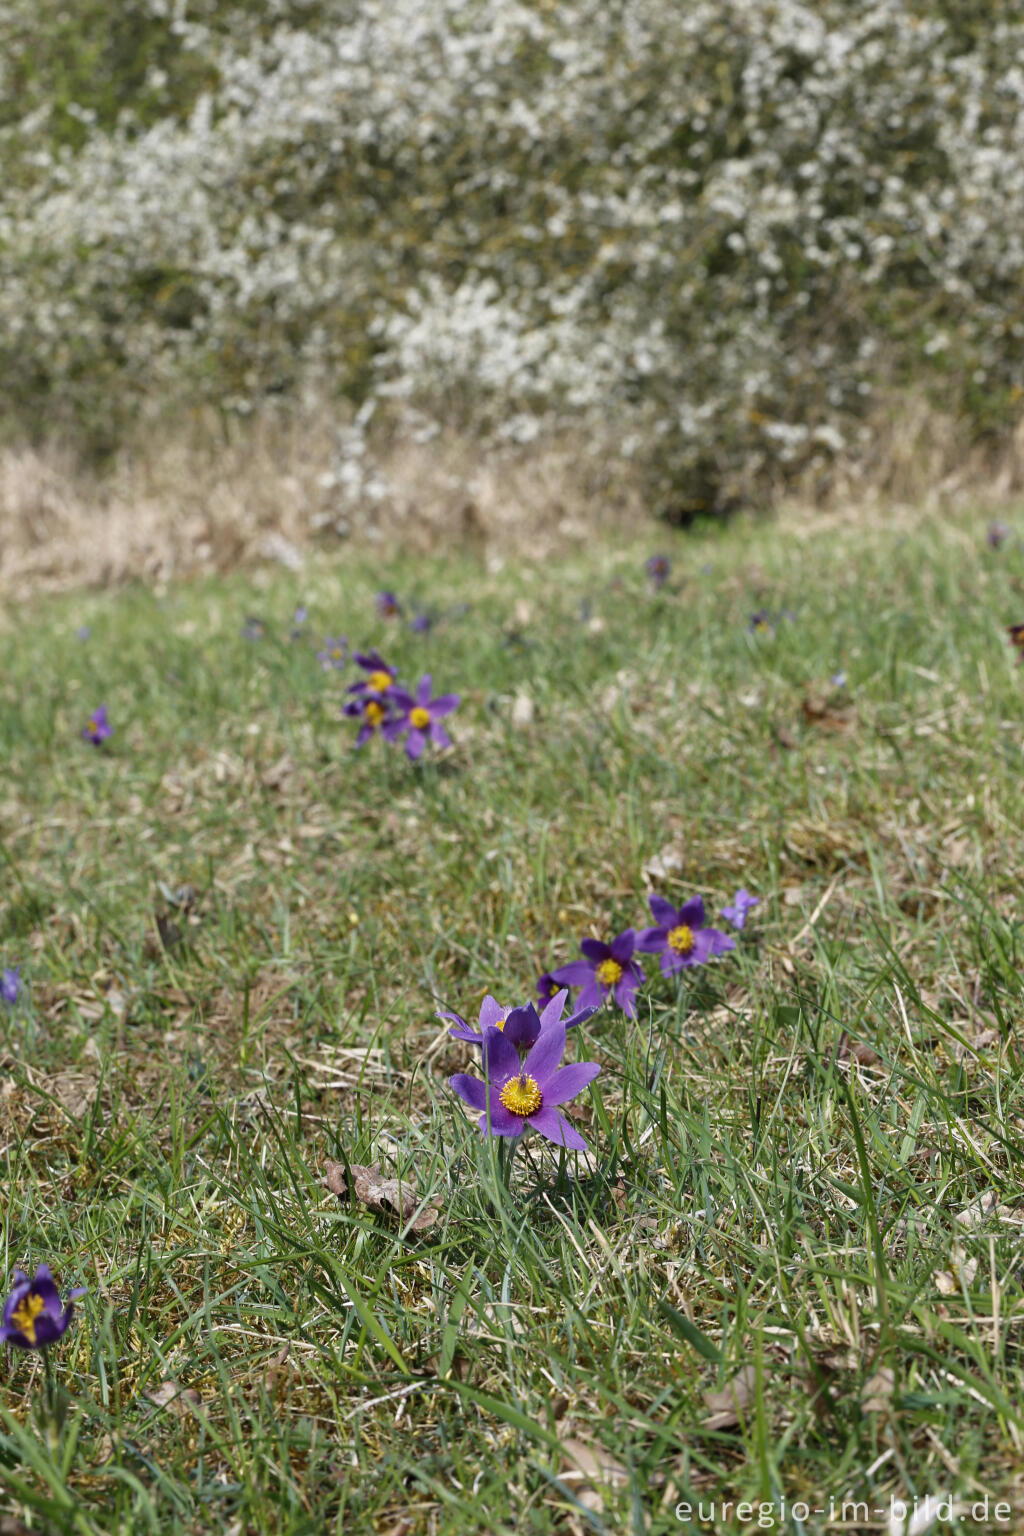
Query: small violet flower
x,y
547,986
11,984
608,970
997,534
741,905
421,624
83,632
520,1025
381,677
334,653
97,728
387,605
372,709
658,568
838,680
420,717
33,1315
761,623
520,1093
680,936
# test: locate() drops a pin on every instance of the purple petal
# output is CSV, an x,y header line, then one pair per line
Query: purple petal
x,y
501,1059
622,946
522,1026
471,1036
491,1011
503,1122
570,1081
469,1088
575,973
423,691
651,941
415,744
445,704
692,913
553,1009
438,735
624,994
663,912
546,1055
581,1015
591,997
454,1018
557,1129
719,943
594,950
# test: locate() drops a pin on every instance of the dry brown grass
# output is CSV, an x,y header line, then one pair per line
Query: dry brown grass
x,y
178,503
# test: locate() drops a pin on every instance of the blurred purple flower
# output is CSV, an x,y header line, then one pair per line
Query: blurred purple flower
x,y
381,676
387,605
33,1314
761,623
520,1093
420,717
680,937
741,905
334,653
253,628
838,680
659,569
547,986
998,533
10,984
83,632
372,710
608,970
421,624
97,728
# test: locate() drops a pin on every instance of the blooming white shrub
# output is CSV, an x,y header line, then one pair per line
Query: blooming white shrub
x,y
703,233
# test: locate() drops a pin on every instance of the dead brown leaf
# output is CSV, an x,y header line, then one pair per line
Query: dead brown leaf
x,y
387,1197
176,1399
727,1405
876,1396
857,1051
591,1472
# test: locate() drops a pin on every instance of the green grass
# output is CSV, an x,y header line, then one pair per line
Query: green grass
x,y
755,1202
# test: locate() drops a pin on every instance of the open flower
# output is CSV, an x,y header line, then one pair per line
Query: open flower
x,y
97,728
372,710
334,653
520,1093
381,676
737,912
520,1025
33,1314
547,986
608,970
387,605
420,717
658,568
680,937
10,984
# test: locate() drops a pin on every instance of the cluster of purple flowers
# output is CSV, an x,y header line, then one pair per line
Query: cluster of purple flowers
x,y
383,705
524,1084
679,936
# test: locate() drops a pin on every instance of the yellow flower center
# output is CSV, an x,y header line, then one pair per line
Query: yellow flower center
x,y
521,1096
420,717
374,712
336,653
609,973
25,1313
681,939
380,682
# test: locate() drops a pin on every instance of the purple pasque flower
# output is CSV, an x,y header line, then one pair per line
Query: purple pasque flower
x,y
387,605
381,676
97,728
334,654
761,623
83,632
519,1093
998,533
658,568
10,984
372,709
33,1314
547,986
608,970
421,624
520,1025
737,912
420,717
680,937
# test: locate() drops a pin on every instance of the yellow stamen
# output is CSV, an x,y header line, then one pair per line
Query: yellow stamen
x,y
25,1313
521,1096
681,939
336,653
379,681
374,712
609,973
420,717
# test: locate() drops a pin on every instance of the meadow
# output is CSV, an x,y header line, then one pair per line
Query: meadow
x,y
788,1265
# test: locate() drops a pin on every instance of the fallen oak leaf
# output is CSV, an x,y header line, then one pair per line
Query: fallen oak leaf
x,y
386,1197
